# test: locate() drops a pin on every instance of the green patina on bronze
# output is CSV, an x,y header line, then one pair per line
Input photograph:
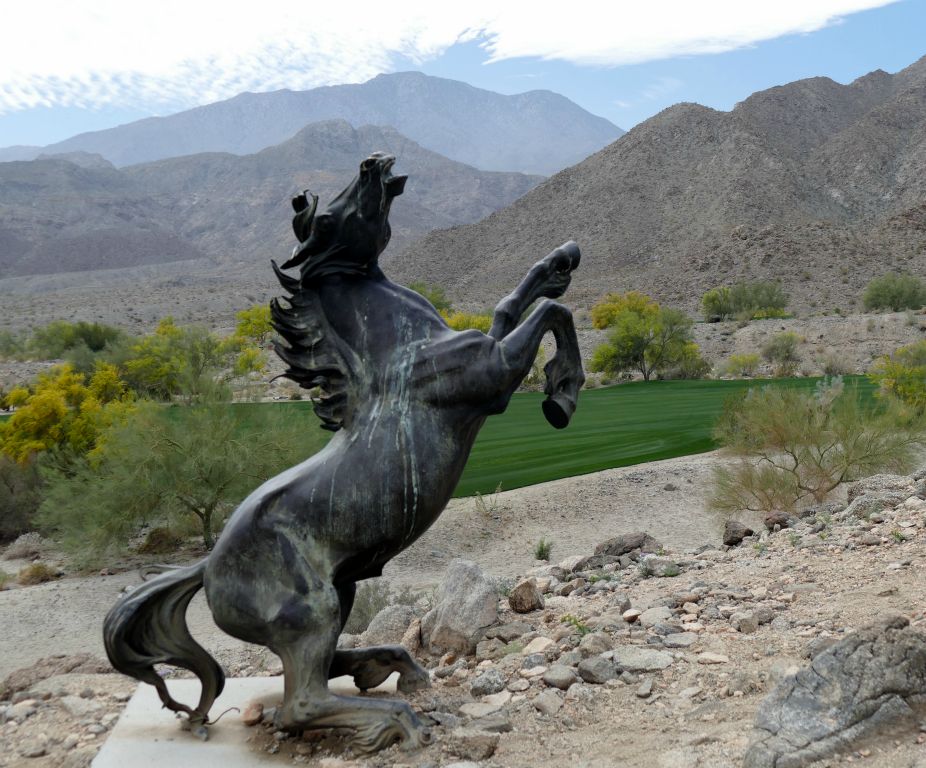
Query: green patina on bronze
x,y
406,397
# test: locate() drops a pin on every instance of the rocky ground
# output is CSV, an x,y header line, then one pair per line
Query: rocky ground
x,y
632,651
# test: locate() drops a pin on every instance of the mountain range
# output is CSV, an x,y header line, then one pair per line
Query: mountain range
x,y
818,184
77,212
538,132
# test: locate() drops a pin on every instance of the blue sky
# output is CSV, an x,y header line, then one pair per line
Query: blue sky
x,y
68,67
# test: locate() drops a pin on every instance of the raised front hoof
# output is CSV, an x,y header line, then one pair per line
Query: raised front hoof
x,y
558,410
408,732
559,266
413,680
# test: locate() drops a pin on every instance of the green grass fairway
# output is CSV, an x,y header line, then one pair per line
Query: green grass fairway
x,y
613,427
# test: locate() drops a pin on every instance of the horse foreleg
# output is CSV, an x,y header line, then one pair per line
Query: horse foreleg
x,y
564,371
548,278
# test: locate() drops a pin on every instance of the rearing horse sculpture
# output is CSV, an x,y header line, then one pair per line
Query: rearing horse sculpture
x,y
406,396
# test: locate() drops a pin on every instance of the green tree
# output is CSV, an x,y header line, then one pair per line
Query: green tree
x,y
903,374
63,412
186,361
20,495
745,364
717,304
895,292
55,340
254,324
605,312
433,293
796,445
781,351
185,467
644,337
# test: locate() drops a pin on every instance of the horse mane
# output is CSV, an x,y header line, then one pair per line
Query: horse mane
x,y
315,354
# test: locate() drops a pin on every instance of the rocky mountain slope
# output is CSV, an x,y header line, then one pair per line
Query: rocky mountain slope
x,y
77,212
815,183
534,132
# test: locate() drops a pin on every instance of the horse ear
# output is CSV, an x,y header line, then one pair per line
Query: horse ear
x,y
396,185
302,221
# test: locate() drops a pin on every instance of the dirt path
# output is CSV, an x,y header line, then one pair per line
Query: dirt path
x,y
575,513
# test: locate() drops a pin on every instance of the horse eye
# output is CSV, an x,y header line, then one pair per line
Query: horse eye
x,y
367,164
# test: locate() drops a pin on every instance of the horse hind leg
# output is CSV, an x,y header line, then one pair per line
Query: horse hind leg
x,y
307,654
372,665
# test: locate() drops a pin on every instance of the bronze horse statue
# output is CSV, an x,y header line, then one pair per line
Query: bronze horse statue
x,y
406,396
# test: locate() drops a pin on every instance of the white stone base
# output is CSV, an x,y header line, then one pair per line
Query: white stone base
x,y
149,736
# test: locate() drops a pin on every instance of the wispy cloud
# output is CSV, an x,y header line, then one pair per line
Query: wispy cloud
x,y
181,53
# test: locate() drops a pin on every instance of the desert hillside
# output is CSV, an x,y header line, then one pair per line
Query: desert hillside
x,y
818,184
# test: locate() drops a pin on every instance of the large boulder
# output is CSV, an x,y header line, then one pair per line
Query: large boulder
x,y
869,684
466,604
627,543
525,597
734,532
388,626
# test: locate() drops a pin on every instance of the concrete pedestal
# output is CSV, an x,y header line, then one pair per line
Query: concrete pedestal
x,y
149,736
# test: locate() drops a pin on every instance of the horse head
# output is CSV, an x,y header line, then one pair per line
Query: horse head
x,y
354,230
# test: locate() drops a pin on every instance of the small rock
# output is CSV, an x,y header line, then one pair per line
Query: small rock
x,y
79,707
471,744
626,543
869,539
631,615
499,699
490,681
525,597
745,622
32,749
709,657
645,689
518,685
559,676
656,615
597,670
548,702
595,643
635,659
779,518
508,632
253,713
660,567
680,640
734,532
538,645
475,709
70,741
497,723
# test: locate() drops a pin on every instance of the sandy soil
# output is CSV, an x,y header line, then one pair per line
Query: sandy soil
x,y
575,513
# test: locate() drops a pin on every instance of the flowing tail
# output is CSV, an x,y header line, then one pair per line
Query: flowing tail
x,y
148,627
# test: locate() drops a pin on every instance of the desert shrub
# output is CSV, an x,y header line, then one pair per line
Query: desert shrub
x,y
433,293
162,469
781,351
160,541
55,340
20,496
758,300
542,549
12,345
462,321
5,579
688,364
742,364
717,304
903,374
894,291
27,546
796,445
834,364
36,573
606,311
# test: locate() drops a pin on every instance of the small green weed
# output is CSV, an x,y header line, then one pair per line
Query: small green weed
x,y
576,623
542,549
